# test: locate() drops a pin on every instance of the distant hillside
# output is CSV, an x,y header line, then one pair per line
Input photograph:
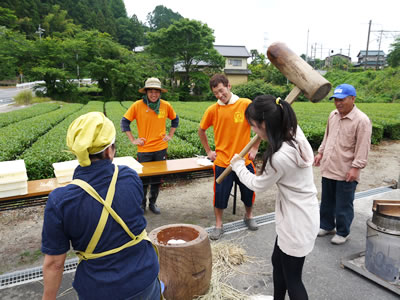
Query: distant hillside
x,y
104,15
371,85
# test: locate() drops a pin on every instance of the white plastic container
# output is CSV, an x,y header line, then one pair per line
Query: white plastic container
x,y
13,178
130,162
65,170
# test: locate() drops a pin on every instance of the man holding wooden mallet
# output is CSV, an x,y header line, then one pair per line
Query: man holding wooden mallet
x,y
231,134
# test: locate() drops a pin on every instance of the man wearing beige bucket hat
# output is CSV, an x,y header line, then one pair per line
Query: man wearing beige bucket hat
x,y
151,113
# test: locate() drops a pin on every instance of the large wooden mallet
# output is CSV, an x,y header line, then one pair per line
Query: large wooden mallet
x,y
301,74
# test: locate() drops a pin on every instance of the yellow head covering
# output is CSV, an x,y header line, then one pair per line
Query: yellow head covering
x,y
90,134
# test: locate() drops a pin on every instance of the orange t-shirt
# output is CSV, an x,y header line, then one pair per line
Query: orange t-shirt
x,y
231,129
150,125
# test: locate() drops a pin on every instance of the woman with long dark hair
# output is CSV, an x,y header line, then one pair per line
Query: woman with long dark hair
x,y
287,162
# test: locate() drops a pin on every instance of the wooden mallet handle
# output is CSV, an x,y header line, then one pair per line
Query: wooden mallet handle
x,y
242,154
294,93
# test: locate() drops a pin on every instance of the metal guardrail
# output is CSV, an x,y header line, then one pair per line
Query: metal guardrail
x,y
27,85
22,203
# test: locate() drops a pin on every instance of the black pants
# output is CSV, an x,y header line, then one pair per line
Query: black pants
x,y
287,275
154,181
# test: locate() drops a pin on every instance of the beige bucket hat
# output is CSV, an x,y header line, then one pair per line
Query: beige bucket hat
x,y
152,83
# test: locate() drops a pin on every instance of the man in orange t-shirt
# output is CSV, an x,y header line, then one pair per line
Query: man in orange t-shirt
x,y
151,114
231,135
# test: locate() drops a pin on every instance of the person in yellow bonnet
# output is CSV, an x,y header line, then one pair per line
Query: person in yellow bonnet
x,y
99,215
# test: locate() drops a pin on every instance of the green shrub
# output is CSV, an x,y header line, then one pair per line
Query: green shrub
x,y
259,87
26,113
24,97
16,137
51,147
41,99
391,127
46,129
377,134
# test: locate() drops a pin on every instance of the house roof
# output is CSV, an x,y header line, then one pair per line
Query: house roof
x,y
370,53
237,71
370,63
224,50
178,67
232,51
341,55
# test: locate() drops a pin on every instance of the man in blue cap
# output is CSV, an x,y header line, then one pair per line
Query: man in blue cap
x,y
342,154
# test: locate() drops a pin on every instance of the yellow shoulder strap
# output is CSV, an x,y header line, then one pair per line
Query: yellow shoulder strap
x,y
103,220
105,213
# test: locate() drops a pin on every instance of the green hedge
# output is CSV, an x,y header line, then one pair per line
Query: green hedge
x,y
51,147
114,111
26,113
15,138
40,140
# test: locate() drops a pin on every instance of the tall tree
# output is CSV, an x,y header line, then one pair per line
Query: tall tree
x,y
14,52
162,17
7,18
130,32
394,54
103,15
56,23
257,58
187,42
118,9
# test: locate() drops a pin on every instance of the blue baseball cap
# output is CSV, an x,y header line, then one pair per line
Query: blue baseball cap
x,y
343,90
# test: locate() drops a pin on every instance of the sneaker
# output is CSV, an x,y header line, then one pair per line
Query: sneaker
x,y
153,207
251,223
338,239
323,232
216,233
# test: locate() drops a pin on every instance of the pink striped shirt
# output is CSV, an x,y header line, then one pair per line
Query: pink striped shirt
x,y
346,144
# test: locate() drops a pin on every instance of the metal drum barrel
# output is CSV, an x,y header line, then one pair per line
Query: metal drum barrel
x,y
382,255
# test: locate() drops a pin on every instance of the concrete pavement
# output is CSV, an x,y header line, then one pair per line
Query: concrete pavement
x,y
323,275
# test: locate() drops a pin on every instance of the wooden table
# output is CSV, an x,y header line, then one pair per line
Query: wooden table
x,y
173,166
43,187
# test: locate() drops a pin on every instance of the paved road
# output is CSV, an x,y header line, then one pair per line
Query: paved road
x,y
7,94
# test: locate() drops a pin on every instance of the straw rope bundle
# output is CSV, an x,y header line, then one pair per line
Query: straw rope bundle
x,y
227,257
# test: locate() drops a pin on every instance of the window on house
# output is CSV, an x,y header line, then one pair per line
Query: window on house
x,y
235,62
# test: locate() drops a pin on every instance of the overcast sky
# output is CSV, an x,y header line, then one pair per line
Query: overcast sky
x,y
338,25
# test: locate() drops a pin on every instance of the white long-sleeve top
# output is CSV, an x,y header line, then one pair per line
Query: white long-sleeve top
x,y
296,207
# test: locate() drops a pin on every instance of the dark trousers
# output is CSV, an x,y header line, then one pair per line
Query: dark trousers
x,y
287,272
153,292
154,181
223,190
337,209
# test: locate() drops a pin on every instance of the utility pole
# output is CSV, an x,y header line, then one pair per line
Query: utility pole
x,y
366,53
315,51
330,62
77,70
308,33
321,51
379,50
40,31
382,32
